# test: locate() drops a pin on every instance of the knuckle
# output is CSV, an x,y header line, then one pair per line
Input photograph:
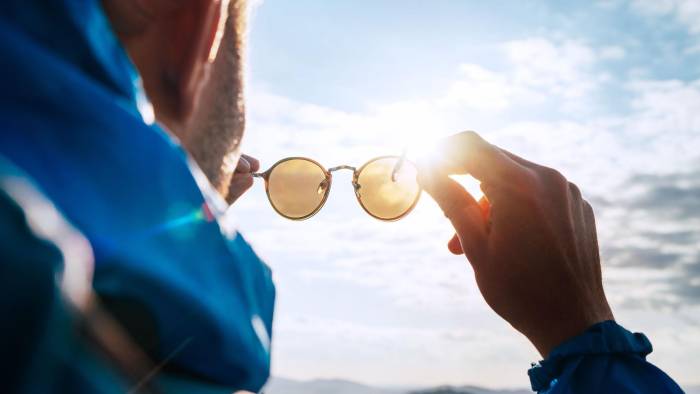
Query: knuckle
x,y
552,175
551,181
525,181
574,190
470,138
470,134
242,180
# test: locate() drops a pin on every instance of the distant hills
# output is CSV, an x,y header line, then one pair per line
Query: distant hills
x,y
324,386
339,386
468,390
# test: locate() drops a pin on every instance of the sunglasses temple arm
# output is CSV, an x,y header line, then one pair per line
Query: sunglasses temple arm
x,y
398,166
258,175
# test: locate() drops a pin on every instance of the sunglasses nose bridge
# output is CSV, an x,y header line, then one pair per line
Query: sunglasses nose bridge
x,y
355,185
342,167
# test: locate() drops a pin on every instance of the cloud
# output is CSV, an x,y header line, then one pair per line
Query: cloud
x,y
693,49
671,105
538,70
659,234
671,196
559,69
612,52
479,88
687,12
438,355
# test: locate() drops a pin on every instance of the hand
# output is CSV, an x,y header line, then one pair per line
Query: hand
x,y
532,243
242,178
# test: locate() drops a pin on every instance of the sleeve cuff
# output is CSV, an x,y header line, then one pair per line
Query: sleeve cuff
x,y
606,337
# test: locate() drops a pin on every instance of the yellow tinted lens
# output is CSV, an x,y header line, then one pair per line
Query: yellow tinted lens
x,y
384,196
297,187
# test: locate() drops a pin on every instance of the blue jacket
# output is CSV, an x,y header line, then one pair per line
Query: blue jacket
x,y
70,121
606,358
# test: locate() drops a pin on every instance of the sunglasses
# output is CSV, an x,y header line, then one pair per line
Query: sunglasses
x,y
386,186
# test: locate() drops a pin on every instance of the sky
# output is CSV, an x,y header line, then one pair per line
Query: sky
x,y
608,92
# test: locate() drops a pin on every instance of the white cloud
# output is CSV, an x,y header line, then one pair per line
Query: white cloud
x,y
686,12
348,348
612,52
479,88
558,69
607,4
693,49
560,73
669,110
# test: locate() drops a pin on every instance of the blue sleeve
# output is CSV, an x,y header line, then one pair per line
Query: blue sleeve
x,y
45,339
606,358
43,349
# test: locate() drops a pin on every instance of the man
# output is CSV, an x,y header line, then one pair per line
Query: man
x,y
191,293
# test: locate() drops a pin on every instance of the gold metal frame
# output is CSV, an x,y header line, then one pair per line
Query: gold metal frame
x,y
329,178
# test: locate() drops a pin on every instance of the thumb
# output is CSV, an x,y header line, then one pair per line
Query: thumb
x,y
459,207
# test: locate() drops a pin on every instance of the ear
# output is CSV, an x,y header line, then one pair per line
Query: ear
x,y
181,36
169,42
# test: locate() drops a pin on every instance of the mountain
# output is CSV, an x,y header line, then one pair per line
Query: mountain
x,y
467,390
339,386
692,389
323,386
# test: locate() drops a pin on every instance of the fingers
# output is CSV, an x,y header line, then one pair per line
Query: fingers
x,y
485,206
247,163
242,178
453,245
240,183
243,165
460,208
253,163
467,152
520,160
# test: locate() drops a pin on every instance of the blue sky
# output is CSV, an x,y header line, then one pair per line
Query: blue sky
x,y
608,92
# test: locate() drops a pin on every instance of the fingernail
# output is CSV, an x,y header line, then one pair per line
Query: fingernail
x,y
243,165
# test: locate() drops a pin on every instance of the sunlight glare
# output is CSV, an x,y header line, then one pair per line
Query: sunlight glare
x,y
471,184
425,152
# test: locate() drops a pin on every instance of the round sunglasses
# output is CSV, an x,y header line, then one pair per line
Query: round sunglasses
x,y
386,186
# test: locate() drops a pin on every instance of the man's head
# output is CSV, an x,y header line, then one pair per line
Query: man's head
x,y
170,42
